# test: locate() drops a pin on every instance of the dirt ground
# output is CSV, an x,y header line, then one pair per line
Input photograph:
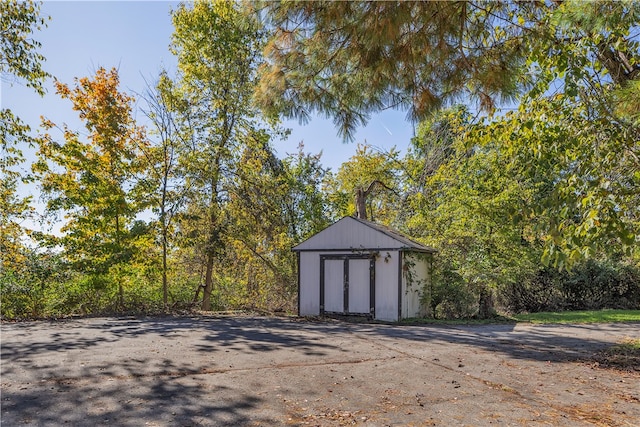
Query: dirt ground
x,y
260,371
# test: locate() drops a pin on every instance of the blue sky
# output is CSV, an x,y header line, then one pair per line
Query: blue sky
x,y
134,37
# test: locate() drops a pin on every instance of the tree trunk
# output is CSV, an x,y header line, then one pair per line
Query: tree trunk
x,y
485,304
208,283
165,232
361,197
119,248
164,270
361,205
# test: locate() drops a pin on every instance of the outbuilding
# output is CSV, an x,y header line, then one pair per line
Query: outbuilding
x,y
358,267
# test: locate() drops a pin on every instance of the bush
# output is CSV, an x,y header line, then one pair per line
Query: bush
x,y
539,292
449,296
80,295
17,299
596,285
592,285
23,290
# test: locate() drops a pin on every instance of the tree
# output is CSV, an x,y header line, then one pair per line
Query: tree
x,y
349,59
306,205
167,188
19,56
467,202
436,145
274,204
588,175
218,49
369,179
19,61
94,183
15,208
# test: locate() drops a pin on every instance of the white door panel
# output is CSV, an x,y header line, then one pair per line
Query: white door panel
x,y
334,285
359,286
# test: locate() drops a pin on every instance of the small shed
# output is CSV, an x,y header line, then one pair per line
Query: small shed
x,y
358,267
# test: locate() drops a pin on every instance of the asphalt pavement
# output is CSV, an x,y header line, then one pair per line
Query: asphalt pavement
x,y
265,371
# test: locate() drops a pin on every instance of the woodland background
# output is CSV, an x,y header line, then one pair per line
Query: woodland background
x,y
535,209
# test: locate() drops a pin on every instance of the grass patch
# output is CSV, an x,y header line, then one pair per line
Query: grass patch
x,y
596,316
623,356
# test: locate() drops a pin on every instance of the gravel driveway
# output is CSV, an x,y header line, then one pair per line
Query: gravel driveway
x,y
245,371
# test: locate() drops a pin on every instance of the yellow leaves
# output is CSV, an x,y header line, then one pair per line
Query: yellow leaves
x,y
92,182
105,110
61,89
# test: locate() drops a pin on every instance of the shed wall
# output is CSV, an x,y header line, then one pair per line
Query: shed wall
x,y
309,283
349,234
387,291
387,286
416,274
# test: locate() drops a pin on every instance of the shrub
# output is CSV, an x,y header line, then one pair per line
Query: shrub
x,y
23,290
538,292
592,285
448,295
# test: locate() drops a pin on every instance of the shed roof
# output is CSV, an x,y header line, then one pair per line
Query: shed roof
x,y
353,234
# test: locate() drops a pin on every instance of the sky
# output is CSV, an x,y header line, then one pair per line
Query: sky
x,y
134,36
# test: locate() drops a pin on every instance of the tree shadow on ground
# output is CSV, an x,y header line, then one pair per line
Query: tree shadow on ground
x,y
554,343
131,402
125,382
78,376
243,334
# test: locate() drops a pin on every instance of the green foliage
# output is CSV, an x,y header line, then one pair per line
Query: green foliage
x,y
583,173
15,296
590,47
164,180
218,50
93,182
358,173
591,285
349,59
449,295
19,61
306,203
627,103
15,207
571,150
463,200
23,286
497,198
273,205
519,205
82,295
599,285
46,288
19,57
245,208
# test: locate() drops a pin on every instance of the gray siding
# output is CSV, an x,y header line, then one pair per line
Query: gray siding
x,y
349,234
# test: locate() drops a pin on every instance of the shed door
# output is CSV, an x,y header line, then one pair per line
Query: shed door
x,y
334,286
359,286
347,284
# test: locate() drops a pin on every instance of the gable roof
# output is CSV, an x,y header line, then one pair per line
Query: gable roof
x,y
353,234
